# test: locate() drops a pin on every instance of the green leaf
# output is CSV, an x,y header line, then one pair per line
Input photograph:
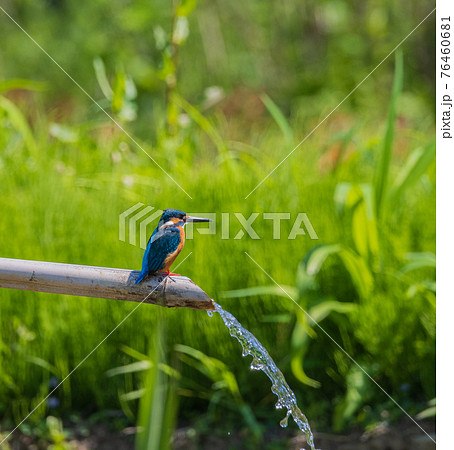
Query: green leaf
x,y
324,309
133,395
42,363
119,89
431,411
277,318
185,7
355,264
202,121
296,364
168,69
223,380
134,353
343,198
427,413
101,77
19,122
364,227
17,83
419,261
358,391
64,133
213,368
359,272
130,368
310,266
359,200
261,290
315,258
304,330
181,31
415,166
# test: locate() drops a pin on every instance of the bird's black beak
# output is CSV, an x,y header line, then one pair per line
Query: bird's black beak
x,y
196,219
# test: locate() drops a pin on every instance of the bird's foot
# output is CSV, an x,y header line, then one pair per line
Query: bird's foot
x,y
169,275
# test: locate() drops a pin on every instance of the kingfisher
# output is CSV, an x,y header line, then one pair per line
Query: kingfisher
x,y
166,242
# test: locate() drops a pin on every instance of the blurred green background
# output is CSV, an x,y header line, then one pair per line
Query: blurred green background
x,y
218,93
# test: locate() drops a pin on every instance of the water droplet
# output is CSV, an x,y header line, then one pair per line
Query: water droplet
x,y
210,313
255,366
284,421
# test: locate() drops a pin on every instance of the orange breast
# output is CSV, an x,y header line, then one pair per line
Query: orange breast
x,y
172,256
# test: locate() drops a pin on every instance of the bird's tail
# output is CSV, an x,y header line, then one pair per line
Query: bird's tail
x,y
141,277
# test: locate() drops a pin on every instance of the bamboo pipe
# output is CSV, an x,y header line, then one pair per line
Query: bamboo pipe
x,y
102,282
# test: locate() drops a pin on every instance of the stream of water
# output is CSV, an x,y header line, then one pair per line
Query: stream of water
x,y
261,360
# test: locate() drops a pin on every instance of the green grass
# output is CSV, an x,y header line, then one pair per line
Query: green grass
x,y
60,201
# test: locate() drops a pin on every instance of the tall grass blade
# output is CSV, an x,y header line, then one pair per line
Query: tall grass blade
x,y
158,406
382,174
279,118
